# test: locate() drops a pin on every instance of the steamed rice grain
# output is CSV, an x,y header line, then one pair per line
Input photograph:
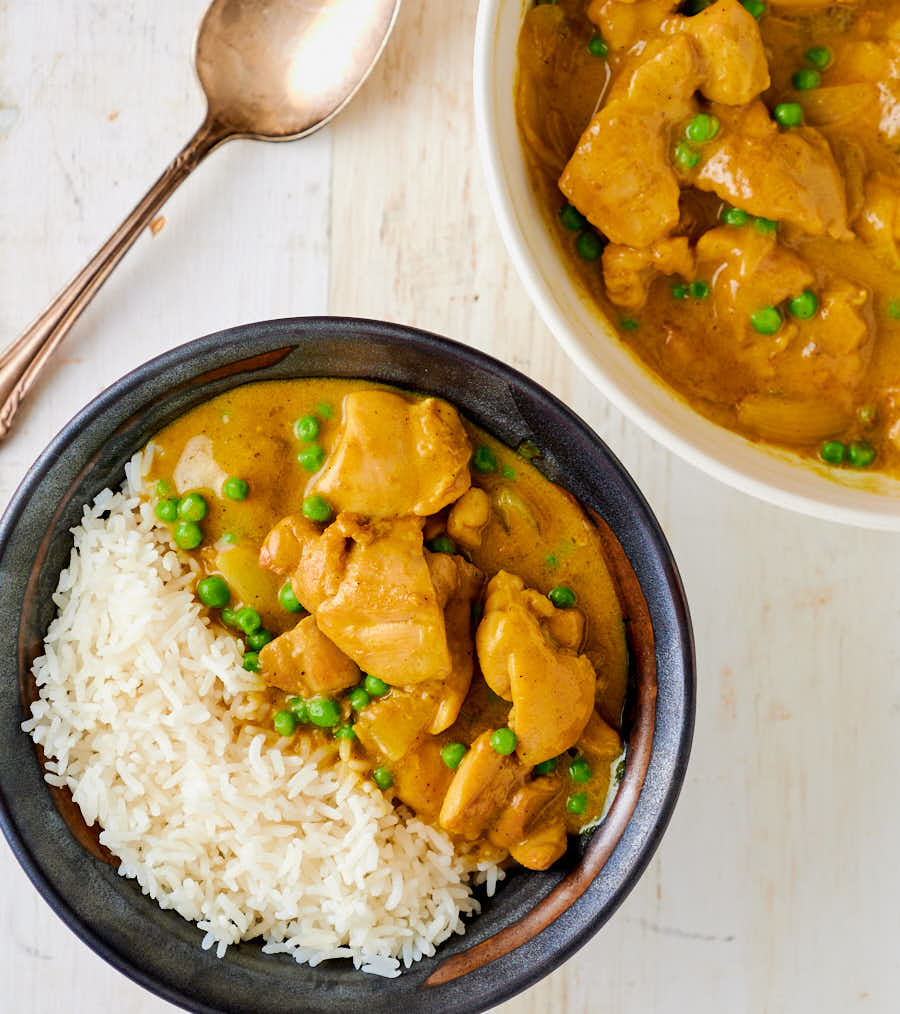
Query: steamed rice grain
x,y
146,715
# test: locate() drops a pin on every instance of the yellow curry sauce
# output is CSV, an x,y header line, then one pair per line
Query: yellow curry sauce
x,y
734,183
534,538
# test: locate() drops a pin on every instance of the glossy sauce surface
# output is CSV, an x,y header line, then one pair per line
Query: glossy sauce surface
x,y
832,378
536,531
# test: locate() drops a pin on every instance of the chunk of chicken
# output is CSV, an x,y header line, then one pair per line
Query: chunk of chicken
x,y
826,353
422,780
395,457
481,787
621,175
541,849
789,175
371,591
748,270
469,517
551,687
391,725
628,272
732,50
623,22
456,583
532,825
600,744
525,810
303,661
878,223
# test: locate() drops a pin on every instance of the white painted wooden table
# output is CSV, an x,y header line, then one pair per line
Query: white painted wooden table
x,y
777,887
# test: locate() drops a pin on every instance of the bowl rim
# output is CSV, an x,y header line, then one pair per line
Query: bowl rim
x,y
243,341
714,463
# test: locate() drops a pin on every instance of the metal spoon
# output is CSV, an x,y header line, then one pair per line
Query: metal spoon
x,y
274,70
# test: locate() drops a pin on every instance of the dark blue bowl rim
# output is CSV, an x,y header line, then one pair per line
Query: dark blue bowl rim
x,y
267,335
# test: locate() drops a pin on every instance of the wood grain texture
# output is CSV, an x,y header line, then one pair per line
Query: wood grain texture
x,y
776,888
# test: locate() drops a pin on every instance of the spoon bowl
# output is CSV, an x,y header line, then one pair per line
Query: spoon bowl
x,y
274,70
280,69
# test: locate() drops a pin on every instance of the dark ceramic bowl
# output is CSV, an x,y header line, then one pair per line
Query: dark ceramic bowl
x,y
536,920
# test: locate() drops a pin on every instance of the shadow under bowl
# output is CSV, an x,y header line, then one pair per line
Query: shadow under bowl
x,y
535,920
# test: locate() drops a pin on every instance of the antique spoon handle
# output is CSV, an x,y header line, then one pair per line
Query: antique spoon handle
x,y
22,361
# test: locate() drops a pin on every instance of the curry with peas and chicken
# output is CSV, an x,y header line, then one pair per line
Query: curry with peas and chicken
x,y
413,593
724,178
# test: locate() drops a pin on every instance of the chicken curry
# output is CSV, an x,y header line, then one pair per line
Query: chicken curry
x,y
413,593
724,179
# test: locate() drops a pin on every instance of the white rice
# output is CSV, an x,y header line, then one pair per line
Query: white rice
x,y
143,715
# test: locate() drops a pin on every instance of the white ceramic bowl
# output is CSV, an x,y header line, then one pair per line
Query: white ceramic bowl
x,y
869,501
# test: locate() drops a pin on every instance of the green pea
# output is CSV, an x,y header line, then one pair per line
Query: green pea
x,y
383,778
529,450
484,459
299,708
324,410
765,225
324,712
893,309
597,47
229,617
755,7
818,56
288,599
167,510
766,320
213,591
686,156
833,451
735,217
193,507
589,246
285,723
236,488
503,741
702,128
187,535
317,508
442,544
306,427
230,538
860,454
629,324
546,767
251,661
679,291
580,770
789,114
562,596
452,755
164,489
375,687
577,803
248,620
572,219
508,472
699,290
312,458
805,305
259,639
344,732
359,698
806,79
